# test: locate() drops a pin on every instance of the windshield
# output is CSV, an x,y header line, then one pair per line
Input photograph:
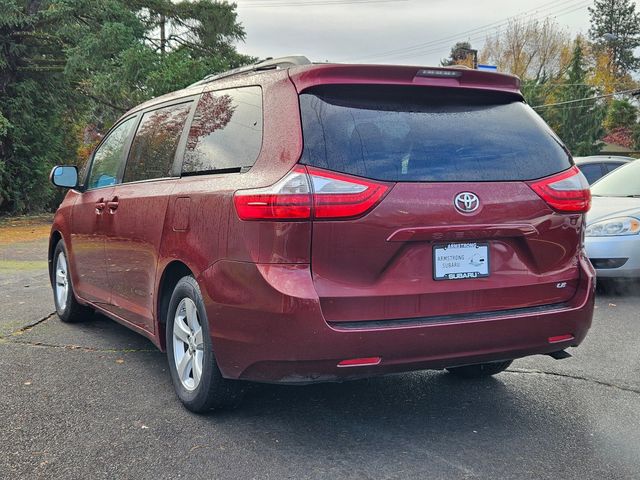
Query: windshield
x,y
622,182
408,134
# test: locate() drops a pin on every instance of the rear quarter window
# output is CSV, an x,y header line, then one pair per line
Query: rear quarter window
x,y
427,134
611,166
226,132
591,171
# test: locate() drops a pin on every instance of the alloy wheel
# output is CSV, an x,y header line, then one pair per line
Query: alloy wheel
x,y
188,345
62,281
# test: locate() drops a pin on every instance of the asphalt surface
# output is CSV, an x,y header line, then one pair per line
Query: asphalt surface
x,y
94,400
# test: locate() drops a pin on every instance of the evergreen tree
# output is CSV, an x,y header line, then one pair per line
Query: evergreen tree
x,y
578,123
66,65
615,28
461,54
621,114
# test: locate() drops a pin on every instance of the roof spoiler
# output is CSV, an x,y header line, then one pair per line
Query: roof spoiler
x,y
266,64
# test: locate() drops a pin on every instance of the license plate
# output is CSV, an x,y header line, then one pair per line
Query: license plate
x,y
456,261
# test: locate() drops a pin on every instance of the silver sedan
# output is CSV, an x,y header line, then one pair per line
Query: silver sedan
x,y
613,223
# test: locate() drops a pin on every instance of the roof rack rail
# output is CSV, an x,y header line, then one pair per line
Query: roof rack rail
x,y
266,64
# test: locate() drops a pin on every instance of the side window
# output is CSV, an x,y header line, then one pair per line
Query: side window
x,y
592,171
611,166
154,146
109,156
226,131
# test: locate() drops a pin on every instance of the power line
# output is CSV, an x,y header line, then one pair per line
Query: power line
x,y
632,91
551,6
481,36
311,3
449,38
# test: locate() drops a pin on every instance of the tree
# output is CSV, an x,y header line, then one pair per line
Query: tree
x,y
130,61
577,119
461,54
635,136
528,49
615,28
603,76
621,123
33,98
621,114
69,68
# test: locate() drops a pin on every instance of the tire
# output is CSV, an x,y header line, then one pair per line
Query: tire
x,y
480,370
199,385
64,297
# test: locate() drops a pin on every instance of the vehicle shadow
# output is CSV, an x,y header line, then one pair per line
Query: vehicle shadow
x,y
420,425
433,417
620,287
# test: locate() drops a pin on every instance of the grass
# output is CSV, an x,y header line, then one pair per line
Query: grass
x,y
24,229
22,265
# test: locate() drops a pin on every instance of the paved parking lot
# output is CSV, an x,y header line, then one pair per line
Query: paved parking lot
x,y
95,401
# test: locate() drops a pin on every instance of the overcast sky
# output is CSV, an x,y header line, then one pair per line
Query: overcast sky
x,y
417,32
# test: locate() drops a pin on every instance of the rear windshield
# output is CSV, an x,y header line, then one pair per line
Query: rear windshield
x,y
427,134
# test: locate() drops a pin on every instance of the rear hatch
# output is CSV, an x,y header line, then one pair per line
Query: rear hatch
x,y
477,205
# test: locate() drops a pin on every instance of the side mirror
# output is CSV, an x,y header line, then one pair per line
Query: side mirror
x,y
64,176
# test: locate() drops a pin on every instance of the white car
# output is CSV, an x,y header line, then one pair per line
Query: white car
x,y
613,223
597,166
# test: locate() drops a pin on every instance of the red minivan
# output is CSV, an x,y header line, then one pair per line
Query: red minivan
x,y
293,222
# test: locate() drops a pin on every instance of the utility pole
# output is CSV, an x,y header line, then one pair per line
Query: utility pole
x,y
473,52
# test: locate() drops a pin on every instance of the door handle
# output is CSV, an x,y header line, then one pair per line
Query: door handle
x,y
113,205
100,206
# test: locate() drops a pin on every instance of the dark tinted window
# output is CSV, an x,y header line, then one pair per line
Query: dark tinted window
x,y
154,146
611,166
592,171
109,156
226,132
427,134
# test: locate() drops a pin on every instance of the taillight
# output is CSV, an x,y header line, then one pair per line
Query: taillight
x,y
287,199
342,196
307,192
566,192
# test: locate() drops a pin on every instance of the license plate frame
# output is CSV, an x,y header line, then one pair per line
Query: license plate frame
x,y
460,272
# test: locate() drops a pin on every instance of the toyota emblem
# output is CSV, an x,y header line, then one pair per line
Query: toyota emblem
x,y
466,202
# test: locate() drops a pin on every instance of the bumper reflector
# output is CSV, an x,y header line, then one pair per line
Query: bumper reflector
x,y
560,338
360,362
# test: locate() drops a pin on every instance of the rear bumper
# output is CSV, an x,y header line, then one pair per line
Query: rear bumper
x,y
613,251
268,326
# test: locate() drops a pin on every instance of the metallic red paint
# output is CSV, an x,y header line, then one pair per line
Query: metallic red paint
x,y
288,301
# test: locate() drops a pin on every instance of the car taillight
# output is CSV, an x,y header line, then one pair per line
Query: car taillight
x,y
341,196
307,192
287,199
566,192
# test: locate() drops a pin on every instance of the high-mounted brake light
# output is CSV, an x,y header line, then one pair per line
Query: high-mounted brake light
x,y
566,192
307,192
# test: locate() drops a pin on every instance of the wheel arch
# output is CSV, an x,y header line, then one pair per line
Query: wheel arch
x,y
171,274
54,238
